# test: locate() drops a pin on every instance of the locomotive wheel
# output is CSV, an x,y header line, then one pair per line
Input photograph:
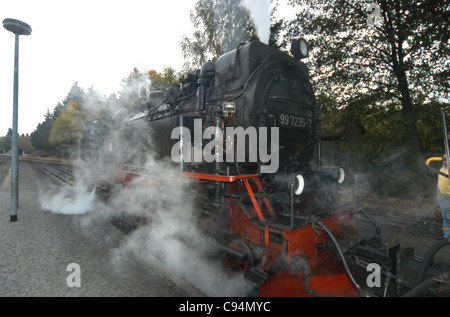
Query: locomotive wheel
x,y
235,263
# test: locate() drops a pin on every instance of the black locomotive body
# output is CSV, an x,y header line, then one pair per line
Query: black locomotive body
x,y
285,219
253,86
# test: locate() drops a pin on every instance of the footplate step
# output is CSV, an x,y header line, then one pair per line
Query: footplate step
x,y
255,276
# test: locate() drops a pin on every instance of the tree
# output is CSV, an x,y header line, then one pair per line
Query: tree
x,y
164,80
134,90
66,129
94,104
379,68
39,137
74,93
220,26
25,143
5,143
386,54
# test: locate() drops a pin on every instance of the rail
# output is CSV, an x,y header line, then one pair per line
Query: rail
x,y
424,226
61,170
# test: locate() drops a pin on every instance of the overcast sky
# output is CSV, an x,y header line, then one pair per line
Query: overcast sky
x,y
95,43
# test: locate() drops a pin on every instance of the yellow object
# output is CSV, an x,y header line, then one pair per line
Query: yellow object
x,y
431,159
443,183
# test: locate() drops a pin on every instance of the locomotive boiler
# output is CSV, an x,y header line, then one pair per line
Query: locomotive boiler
x,y
246,131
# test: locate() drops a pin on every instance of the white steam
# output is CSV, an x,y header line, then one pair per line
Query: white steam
x,y
260,13
69,200
176,232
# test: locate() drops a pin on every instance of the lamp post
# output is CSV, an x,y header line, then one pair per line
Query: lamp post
x,y
18,28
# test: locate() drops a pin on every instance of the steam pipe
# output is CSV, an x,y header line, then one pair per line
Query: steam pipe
x,y
292,204
319,148
426,284
242,207
377,227
233,252
218,150
429,257
446,145
181,145
207,69
341,255
201,97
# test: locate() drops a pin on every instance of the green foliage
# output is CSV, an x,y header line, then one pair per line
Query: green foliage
x,y
24,141
61,130
382,78
67,127
134,89
220,26
39,137
5,143
381,85
164,80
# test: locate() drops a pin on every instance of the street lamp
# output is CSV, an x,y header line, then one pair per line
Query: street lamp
x,y
18,28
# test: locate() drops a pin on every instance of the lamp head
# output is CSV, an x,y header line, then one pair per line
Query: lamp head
x,y
17,27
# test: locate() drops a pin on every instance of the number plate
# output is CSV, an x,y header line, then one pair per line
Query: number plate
x,y
292,121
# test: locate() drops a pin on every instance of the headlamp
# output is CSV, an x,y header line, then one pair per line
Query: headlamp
x,y
300,48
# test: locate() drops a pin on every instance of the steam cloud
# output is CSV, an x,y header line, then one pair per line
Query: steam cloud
x,y
174,235
68,201
260,13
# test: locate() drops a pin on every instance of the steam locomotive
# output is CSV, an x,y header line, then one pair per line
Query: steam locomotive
x,y
246,132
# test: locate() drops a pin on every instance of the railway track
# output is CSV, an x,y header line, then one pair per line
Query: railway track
x,y
60,171
428,226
